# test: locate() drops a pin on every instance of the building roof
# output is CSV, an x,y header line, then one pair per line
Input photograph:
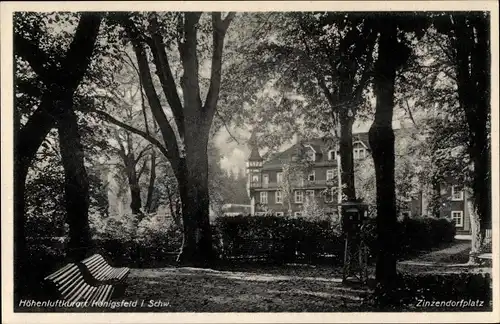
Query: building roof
x,y
320,145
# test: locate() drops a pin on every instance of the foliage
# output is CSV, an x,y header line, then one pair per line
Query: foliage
x,y
126,242
45,191
313,211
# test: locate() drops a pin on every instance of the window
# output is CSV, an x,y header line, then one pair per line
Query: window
x,y
310,194
280,214
298,214
311,176
330,174
301,180
329,195
279,177
311,155
456,193
255,178
359,153
331,155
299,196
279,197
263,197
458,218
265,180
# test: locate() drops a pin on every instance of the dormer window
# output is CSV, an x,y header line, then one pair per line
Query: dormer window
x,y
311,176
359,150
311,156
310,153
332,155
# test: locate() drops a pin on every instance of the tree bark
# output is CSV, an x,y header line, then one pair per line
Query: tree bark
x,y
193,184
346,157
135,189
477,236
76,184
381,138
471,45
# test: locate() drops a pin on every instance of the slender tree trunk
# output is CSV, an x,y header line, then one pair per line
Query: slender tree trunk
x,y
346,157
151,186
135,190
436,199
381,138
75,183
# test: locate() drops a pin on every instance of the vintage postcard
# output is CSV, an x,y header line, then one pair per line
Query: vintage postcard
x,y
268,161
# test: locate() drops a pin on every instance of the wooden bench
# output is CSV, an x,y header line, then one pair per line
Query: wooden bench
x,y
102,272
70,284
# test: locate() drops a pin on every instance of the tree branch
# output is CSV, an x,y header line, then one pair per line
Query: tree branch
x,y
148,85
141,153
79,54
142,168
165,75
134,130
188,52
33,55
225,125
218,34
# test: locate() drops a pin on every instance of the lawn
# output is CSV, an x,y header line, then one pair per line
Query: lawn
x,y
258,287
289,288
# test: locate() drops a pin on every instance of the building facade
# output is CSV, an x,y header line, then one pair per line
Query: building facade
x,y
272,190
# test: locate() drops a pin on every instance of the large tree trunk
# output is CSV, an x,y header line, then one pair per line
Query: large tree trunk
x,y
381,138
193,184
31,135
76,184
477,235
473,80
346,157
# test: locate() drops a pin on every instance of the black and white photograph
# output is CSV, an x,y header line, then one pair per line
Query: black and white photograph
x,y
178,158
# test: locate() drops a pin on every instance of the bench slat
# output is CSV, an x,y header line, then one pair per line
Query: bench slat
x,y
89,280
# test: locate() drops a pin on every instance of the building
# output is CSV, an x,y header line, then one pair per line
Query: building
x,y
266,182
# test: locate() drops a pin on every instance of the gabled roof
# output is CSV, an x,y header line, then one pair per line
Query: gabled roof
x,y
320,145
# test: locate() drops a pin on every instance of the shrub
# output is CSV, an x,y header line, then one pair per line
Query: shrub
x,y
424,233
124,242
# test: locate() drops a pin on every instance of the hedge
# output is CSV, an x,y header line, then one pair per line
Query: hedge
x,y
268,238
282,238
